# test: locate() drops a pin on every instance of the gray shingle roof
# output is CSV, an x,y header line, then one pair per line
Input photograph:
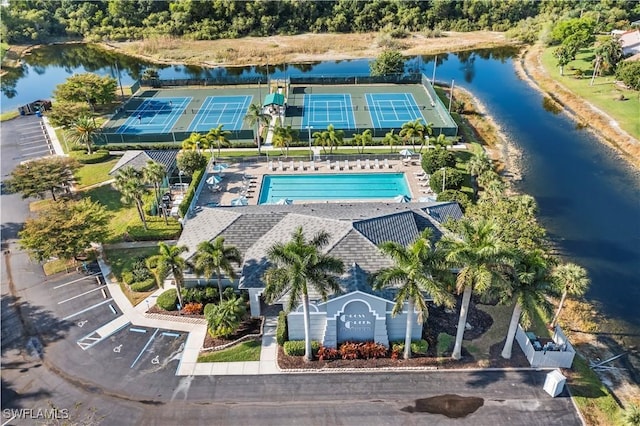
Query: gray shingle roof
x,y
444,210
355,231
139,159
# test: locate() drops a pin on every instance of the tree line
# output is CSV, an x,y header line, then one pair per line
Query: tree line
x,y
42,20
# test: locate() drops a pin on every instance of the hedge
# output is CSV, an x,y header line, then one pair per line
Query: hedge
x,y
191,192
97,157
145,285
417,346
296,347
168,300
282,334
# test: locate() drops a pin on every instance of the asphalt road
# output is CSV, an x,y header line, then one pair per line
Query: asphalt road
x,y
98,383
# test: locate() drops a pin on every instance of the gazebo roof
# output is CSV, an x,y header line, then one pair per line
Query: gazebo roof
x,y
274,99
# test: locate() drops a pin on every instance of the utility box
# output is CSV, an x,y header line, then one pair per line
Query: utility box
x,y
554,383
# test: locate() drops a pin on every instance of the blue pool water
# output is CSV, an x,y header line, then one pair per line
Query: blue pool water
x,y
326,187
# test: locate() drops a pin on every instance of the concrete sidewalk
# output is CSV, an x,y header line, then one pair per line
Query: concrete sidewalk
x,y
196,327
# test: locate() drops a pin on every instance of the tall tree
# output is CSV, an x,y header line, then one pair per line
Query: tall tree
x,y
256,116
167,262
389,62
529,284
219,137
411,130
195,141
35,178
478,164
284,136
190,161
481,260
295,266
82,132
362,140
609,52
64,229
425,136
154,173
418,269
90,88
392,139
130,183
216,258
329,138
570,279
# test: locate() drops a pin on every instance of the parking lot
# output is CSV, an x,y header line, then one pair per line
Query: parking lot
x,y
31,139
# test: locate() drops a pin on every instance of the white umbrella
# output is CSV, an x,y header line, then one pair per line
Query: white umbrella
x,y
406,152
284,201
401,199
220,167
213,179
242,201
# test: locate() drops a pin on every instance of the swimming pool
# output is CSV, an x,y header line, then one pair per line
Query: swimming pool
x,y
338,186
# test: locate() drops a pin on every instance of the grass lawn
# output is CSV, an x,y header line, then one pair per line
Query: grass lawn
x,y
5,116
501,315
58,265
604,94
122,259
91,174
245,351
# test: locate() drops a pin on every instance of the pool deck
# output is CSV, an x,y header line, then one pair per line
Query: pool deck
x,y
233,184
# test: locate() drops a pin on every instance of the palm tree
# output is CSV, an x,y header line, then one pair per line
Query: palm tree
x,y
155,173
418,269
130,183
391,139
82,132
297,265
442,141
284,136
167,262
529,284
361,140
478,164
334,137
571,279
426,135
218,137
195,141
214,258
410,130
480,258
255,115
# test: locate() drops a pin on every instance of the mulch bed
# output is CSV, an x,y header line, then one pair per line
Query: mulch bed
x,y
248,326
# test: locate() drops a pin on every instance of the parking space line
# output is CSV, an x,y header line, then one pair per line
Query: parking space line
x,y
145,347
87,309
138,330
79,295
31,148
95,340
75,281
113,309
170,334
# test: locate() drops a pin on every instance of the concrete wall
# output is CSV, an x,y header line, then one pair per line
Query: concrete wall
x,y
317,325
540,358
396,327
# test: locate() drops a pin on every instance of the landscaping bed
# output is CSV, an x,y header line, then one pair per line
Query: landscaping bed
x,y
248,326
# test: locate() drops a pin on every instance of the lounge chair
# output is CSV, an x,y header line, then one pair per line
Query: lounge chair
x,y
346,165
270,166
376,164
280,165
358,164
386,163
301,166
329,164
367,164
292,165
312,165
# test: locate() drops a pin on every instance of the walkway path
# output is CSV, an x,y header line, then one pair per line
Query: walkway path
x,y
197,328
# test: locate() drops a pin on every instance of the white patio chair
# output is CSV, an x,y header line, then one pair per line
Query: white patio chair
x,y
280,165
329,164
270,166
367,164
358,164
301,166
292,166
346,165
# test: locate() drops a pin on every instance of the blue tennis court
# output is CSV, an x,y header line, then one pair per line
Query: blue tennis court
x,y
321,110
157,115
226,110
392,110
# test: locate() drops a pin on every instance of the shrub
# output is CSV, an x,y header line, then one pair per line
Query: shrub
x,y
437,158
282,334
296,347
458,196
139,270
224,319
419,346
127,277
192,308
142,286
228,293
370,350
208,308
168,300
191,192
210,294
452,179
325,353
349,350
444,344
97,157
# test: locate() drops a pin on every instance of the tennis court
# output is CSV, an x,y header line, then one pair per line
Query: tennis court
x,y
157,115
321,110
392,110
216,110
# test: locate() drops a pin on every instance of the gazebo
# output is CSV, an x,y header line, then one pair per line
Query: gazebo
x,y
273,99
